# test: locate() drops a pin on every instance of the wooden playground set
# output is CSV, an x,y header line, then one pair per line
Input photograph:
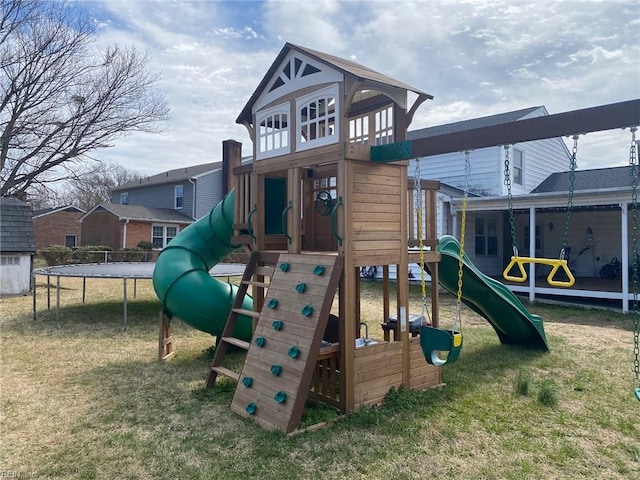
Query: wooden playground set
x,y
328,193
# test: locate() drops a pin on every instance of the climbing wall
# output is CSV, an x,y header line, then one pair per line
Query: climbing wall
x,y
277,372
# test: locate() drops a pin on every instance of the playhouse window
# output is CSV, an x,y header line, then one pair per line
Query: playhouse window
x,y
273,132
359,130
317,119
162,235
384,125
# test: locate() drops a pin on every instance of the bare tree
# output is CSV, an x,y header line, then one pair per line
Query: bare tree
x,y
92,188
60,99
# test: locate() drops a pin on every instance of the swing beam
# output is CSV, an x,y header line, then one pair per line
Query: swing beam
x,y
594,119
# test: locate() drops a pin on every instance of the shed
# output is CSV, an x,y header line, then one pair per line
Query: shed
x,y
17,247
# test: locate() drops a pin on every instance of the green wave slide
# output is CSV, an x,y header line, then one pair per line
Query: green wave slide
x,y
181,277
490,299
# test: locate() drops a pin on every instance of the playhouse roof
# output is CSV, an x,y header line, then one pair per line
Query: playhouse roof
x,y
16,227
345,66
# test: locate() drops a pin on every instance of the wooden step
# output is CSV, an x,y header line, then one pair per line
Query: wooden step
x,y
264,271
253,283
226,372
237,342
248,313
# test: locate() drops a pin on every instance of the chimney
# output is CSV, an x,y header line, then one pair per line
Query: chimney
x,y
231,158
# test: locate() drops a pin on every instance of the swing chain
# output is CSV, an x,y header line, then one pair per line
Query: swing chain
x,y
463,221
572,176
417,200
507,182
633,171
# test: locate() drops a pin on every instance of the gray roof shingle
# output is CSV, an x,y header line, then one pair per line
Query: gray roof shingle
x,y
141,213
16,227
170,176
597,178
473,123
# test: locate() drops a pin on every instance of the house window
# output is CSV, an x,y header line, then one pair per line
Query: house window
x,y
179,197
273,132
124,198
70,241
317,120
162,235
9,261
486,236
518,164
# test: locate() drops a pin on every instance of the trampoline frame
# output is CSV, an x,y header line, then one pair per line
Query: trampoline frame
x,y
135,271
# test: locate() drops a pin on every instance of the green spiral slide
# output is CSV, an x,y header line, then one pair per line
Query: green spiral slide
x,y
181,277
489,298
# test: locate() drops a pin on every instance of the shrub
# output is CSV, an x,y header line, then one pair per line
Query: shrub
x,y
521,384
548,395
57,255
91,253
130,254
145,246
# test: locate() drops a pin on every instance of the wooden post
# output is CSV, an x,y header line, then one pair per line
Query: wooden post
x,y
165,340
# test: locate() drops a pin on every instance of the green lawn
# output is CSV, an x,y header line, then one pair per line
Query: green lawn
x,y
91,401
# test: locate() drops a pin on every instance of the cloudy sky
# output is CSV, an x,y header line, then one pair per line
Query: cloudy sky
x,y
477,57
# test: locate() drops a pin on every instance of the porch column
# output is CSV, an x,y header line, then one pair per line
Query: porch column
x,y
625,256
532,253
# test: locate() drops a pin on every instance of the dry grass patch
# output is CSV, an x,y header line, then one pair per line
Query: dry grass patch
x,y
91,401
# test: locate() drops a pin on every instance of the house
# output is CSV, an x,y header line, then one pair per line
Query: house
x,y
193,191
17,247
124,226
530,164
595,229
57,226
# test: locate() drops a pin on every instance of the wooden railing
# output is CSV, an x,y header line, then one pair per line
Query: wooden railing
x,y
325,383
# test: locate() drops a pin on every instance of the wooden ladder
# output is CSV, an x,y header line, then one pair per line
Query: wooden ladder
x,y
259,266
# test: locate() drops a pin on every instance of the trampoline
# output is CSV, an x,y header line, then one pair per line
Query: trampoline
x,y
122,270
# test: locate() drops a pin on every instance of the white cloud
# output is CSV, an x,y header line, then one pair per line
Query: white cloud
x,y
477,57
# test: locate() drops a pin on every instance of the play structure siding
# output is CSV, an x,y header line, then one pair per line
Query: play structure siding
x,y
376,213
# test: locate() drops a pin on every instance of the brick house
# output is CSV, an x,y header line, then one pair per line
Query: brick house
x,y
57,226
124,226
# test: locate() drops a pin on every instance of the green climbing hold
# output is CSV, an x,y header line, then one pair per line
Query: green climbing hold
x,y
307,310
301,287
319,270
284,266
260,341
276,370
273,303
294,352
280,397
251,408
277,325
247,382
